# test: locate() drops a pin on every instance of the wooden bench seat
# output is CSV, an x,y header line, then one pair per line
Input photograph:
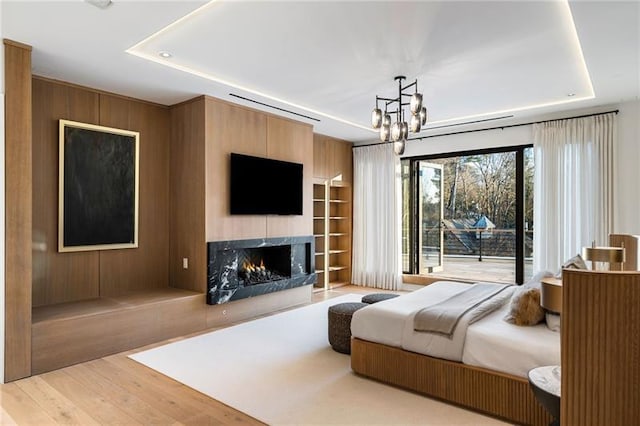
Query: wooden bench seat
x,y
69,333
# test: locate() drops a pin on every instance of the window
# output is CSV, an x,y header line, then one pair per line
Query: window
x,y
469,215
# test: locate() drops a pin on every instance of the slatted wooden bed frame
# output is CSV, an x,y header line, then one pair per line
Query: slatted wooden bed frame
x,y
600,361
497,394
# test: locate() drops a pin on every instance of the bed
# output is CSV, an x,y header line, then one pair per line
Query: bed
x,y
488,374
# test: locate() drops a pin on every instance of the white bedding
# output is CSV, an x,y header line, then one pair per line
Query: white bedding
x,y
383,322
490,342
439,346
495,344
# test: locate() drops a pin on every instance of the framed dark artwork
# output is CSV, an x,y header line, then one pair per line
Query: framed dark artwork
x,y
97,187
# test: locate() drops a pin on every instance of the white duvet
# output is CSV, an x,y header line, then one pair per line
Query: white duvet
x,y
490,342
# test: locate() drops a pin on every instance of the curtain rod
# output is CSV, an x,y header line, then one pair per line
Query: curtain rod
x,y
615,111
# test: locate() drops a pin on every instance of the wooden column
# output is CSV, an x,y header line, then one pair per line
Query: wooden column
x,y
187,196
600,348
17,210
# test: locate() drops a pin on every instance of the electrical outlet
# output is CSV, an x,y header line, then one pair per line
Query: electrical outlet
x,y
185,263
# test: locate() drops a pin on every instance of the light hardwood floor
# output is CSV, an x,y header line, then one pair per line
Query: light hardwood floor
x,y
117,390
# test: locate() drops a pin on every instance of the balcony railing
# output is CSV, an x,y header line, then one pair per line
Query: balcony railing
x,y
464,248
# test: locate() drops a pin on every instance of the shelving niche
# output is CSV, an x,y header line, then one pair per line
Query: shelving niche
x,y
332,231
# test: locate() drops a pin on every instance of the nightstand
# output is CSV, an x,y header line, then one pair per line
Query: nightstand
x,y
545,383
551,295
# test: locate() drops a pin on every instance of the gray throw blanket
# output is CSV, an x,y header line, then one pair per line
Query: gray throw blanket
x,y
442,318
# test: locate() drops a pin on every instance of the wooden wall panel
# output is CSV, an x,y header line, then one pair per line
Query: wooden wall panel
x,y
64,277
600,348
320,156
332,158
187,196
342,160
630,244
292,141
230,129
57,277
18,210
148,265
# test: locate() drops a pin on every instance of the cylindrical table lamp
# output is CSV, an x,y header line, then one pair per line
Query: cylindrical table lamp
x,y
603,254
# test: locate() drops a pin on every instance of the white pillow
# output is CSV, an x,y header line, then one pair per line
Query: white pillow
x,y
576,262
534,282
553,322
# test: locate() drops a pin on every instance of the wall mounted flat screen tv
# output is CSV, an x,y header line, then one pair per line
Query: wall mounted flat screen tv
x,y
264,186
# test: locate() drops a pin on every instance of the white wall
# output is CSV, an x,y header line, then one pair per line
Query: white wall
x,y
627,195
510,136
1,201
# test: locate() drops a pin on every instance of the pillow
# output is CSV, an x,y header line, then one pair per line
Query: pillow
x,y
534,282
553,321
525,307
576,262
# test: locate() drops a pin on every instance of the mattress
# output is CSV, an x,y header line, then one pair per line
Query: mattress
x,y
490,342
495,344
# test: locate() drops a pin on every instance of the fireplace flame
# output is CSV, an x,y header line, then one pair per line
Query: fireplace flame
x,y
252,267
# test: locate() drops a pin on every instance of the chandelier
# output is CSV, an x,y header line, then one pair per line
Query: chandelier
x,y
399,130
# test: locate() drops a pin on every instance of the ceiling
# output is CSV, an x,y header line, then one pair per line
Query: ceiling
x,y
327,61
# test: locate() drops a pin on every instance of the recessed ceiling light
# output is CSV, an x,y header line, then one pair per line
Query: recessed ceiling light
x,y
164,54
571,94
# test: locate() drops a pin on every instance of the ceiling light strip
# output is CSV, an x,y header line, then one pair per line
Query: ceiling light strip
x,y
576,40
193,71
510,110
272,106
507,126
135,50
172,25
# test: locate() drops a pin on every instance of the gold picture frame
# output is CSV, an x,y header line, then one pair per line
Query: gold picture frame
x,y
98,187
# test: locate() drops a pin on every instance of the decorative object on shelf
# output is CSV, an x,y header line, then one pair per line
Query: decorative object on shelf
x,y
399,130
603,254
98,187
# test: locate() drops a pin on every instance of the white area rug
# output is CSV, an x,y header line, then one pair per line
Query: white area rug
x,y
281,370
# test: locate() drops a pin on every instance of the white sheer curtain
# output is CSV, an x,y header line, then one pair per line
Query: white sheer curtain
x,y
376,217
573,188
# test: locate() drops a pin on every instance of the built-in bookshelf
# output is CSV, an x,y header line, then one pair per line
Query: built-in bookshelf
x,y
332,232
320,229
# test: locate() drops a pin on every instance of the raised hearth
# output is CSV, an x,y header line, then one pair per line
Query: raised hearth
x,y
238,269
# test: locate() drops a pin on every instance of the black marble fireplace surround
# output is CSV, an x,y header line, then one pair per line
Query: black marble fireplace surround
x,y
239,269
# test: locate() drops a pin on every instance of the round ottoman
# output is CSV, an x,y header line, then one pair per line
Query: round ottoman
x,y
377,297
340,325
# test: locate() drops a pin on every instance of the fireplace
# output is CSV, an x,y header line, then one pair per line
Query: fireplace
x,y
264,264
239,269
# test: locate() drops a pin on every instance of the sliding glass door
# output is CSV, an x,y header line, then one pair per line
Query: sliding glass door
x,y
429,203
469,215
